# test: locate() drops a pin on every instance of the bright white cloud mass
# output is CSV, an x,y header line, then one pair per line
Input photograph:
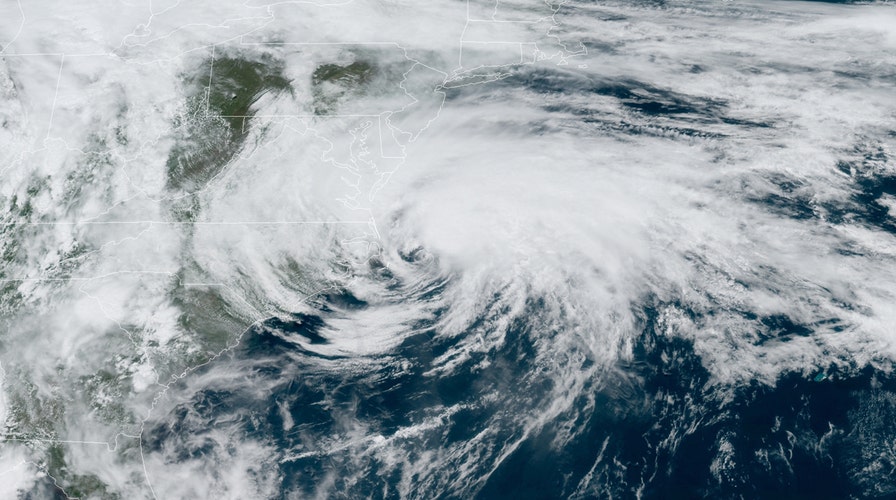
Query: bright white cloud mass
x,y
447,249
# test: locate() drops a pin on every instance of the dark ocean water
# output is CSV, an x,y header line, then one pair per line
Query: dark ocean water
x,y
653,426
595,281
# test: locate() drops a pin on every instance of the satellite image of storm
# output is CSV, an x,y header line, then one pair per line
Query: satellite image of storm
x,y
447,249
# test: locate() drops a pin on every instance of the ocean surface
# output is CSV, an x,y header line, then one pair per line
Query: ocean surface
x,y
454,249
